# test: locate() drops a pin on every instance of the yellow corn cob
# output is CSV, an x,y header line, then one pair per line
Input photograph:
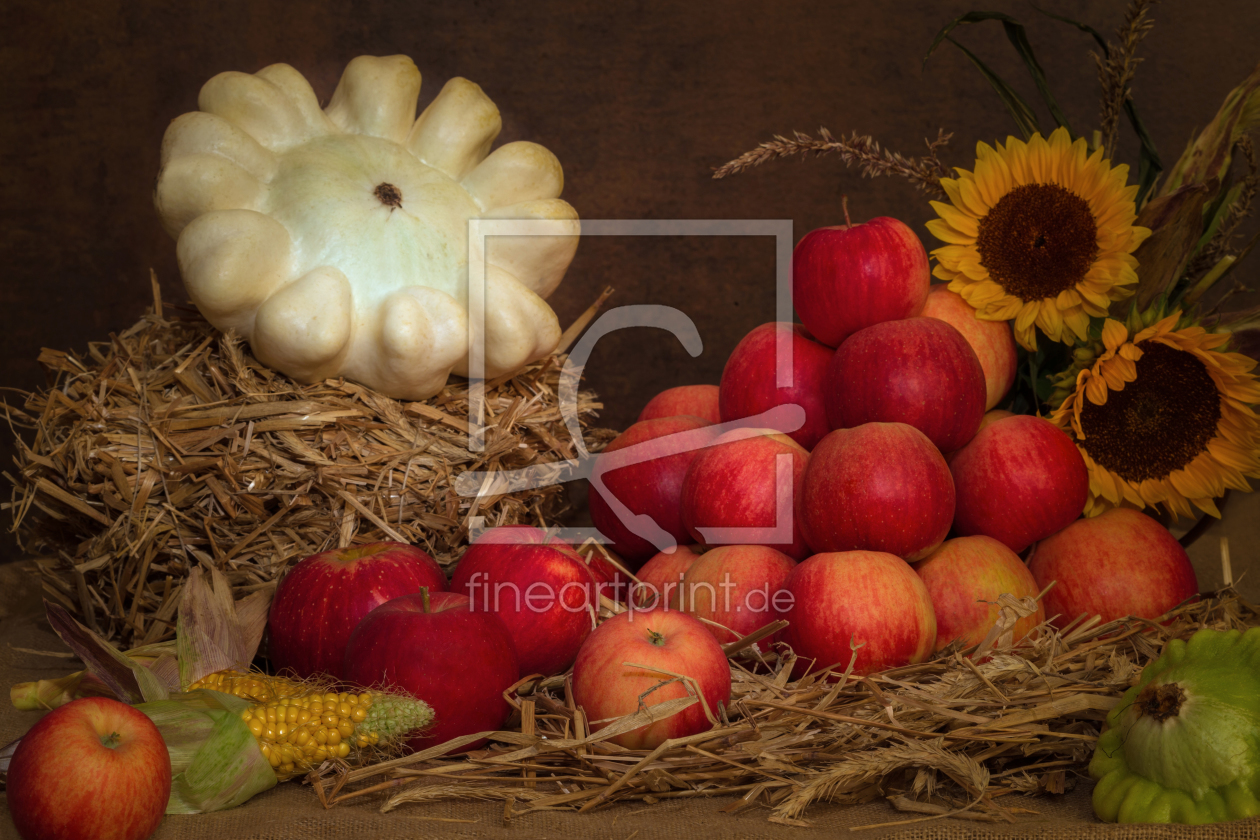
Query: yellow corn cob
x,y
260,688
299,726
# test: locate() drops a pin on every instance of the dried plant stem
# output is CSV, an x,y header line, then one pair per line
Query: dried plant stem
x,y
1117,68
859,150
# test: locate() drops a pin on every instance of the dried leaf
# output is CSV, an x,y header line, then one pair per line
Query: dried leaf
x,y
128,680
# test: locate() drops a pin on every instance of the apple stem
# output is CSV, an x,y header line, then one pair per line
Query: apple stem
x,y
844,205
111,740
424,597
656,638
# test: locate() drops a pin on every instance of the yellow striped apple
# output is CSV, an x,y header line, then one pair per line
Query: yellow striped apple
x,y
1121,562
993,341
877,487
634,659
865,599
964,577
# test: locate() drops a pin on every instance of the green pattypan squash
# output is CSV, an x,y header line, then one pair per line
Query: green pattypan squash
x,y
1183,746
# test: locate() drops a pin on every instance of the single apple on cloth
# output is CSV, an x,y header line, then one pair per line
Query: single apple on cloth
x,y
93,769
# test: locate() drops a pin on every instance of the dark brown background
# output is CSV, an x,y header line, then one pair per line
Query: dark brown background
x,y
639,102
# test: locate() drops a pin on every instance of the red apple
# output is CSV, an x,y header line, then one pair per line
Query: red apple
x,y
750,379
849,277
544,592
1019,480
437,647
737,586
991,417
965,576
661,575
919,371
1119,563
878,487
93,769
733,493
865,598
992,341
695,400
613,583
616,674
643,470
324,597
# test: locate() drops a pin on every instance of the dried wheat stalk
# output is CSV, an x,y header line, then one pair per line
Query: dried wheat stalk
x,y
168,445
859,150
1117,68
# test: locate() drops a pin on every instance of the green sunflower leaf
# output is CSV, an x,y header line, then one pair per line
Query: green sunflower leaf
x,y
1024,117
1018,36
1149,164
1084,27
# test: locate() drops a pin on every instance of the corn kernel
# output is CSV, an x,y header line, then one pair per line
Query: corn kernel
x,y
343,749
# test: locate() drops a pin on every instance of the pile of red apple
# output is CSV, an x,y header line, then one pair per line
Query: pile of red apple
x,y
892,510
861,493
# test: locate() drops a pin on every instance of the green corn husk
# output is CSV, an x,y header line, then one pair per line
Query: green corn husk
x,y
215,760
49,694
1209,155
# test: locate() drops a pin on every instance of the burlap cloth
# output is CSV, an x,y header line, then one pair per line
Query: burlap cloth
x,y
291,811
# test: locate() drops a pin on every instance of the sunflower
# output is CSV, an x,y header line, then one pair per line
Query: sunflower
x,y
1042,233
1163,416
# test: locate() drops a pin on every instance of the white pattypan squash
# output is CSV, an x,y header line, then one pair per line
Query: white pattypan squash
x,y
336,240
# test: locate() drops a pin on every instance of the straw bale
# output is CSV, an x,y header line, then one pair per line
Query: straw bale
x,y
169,445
